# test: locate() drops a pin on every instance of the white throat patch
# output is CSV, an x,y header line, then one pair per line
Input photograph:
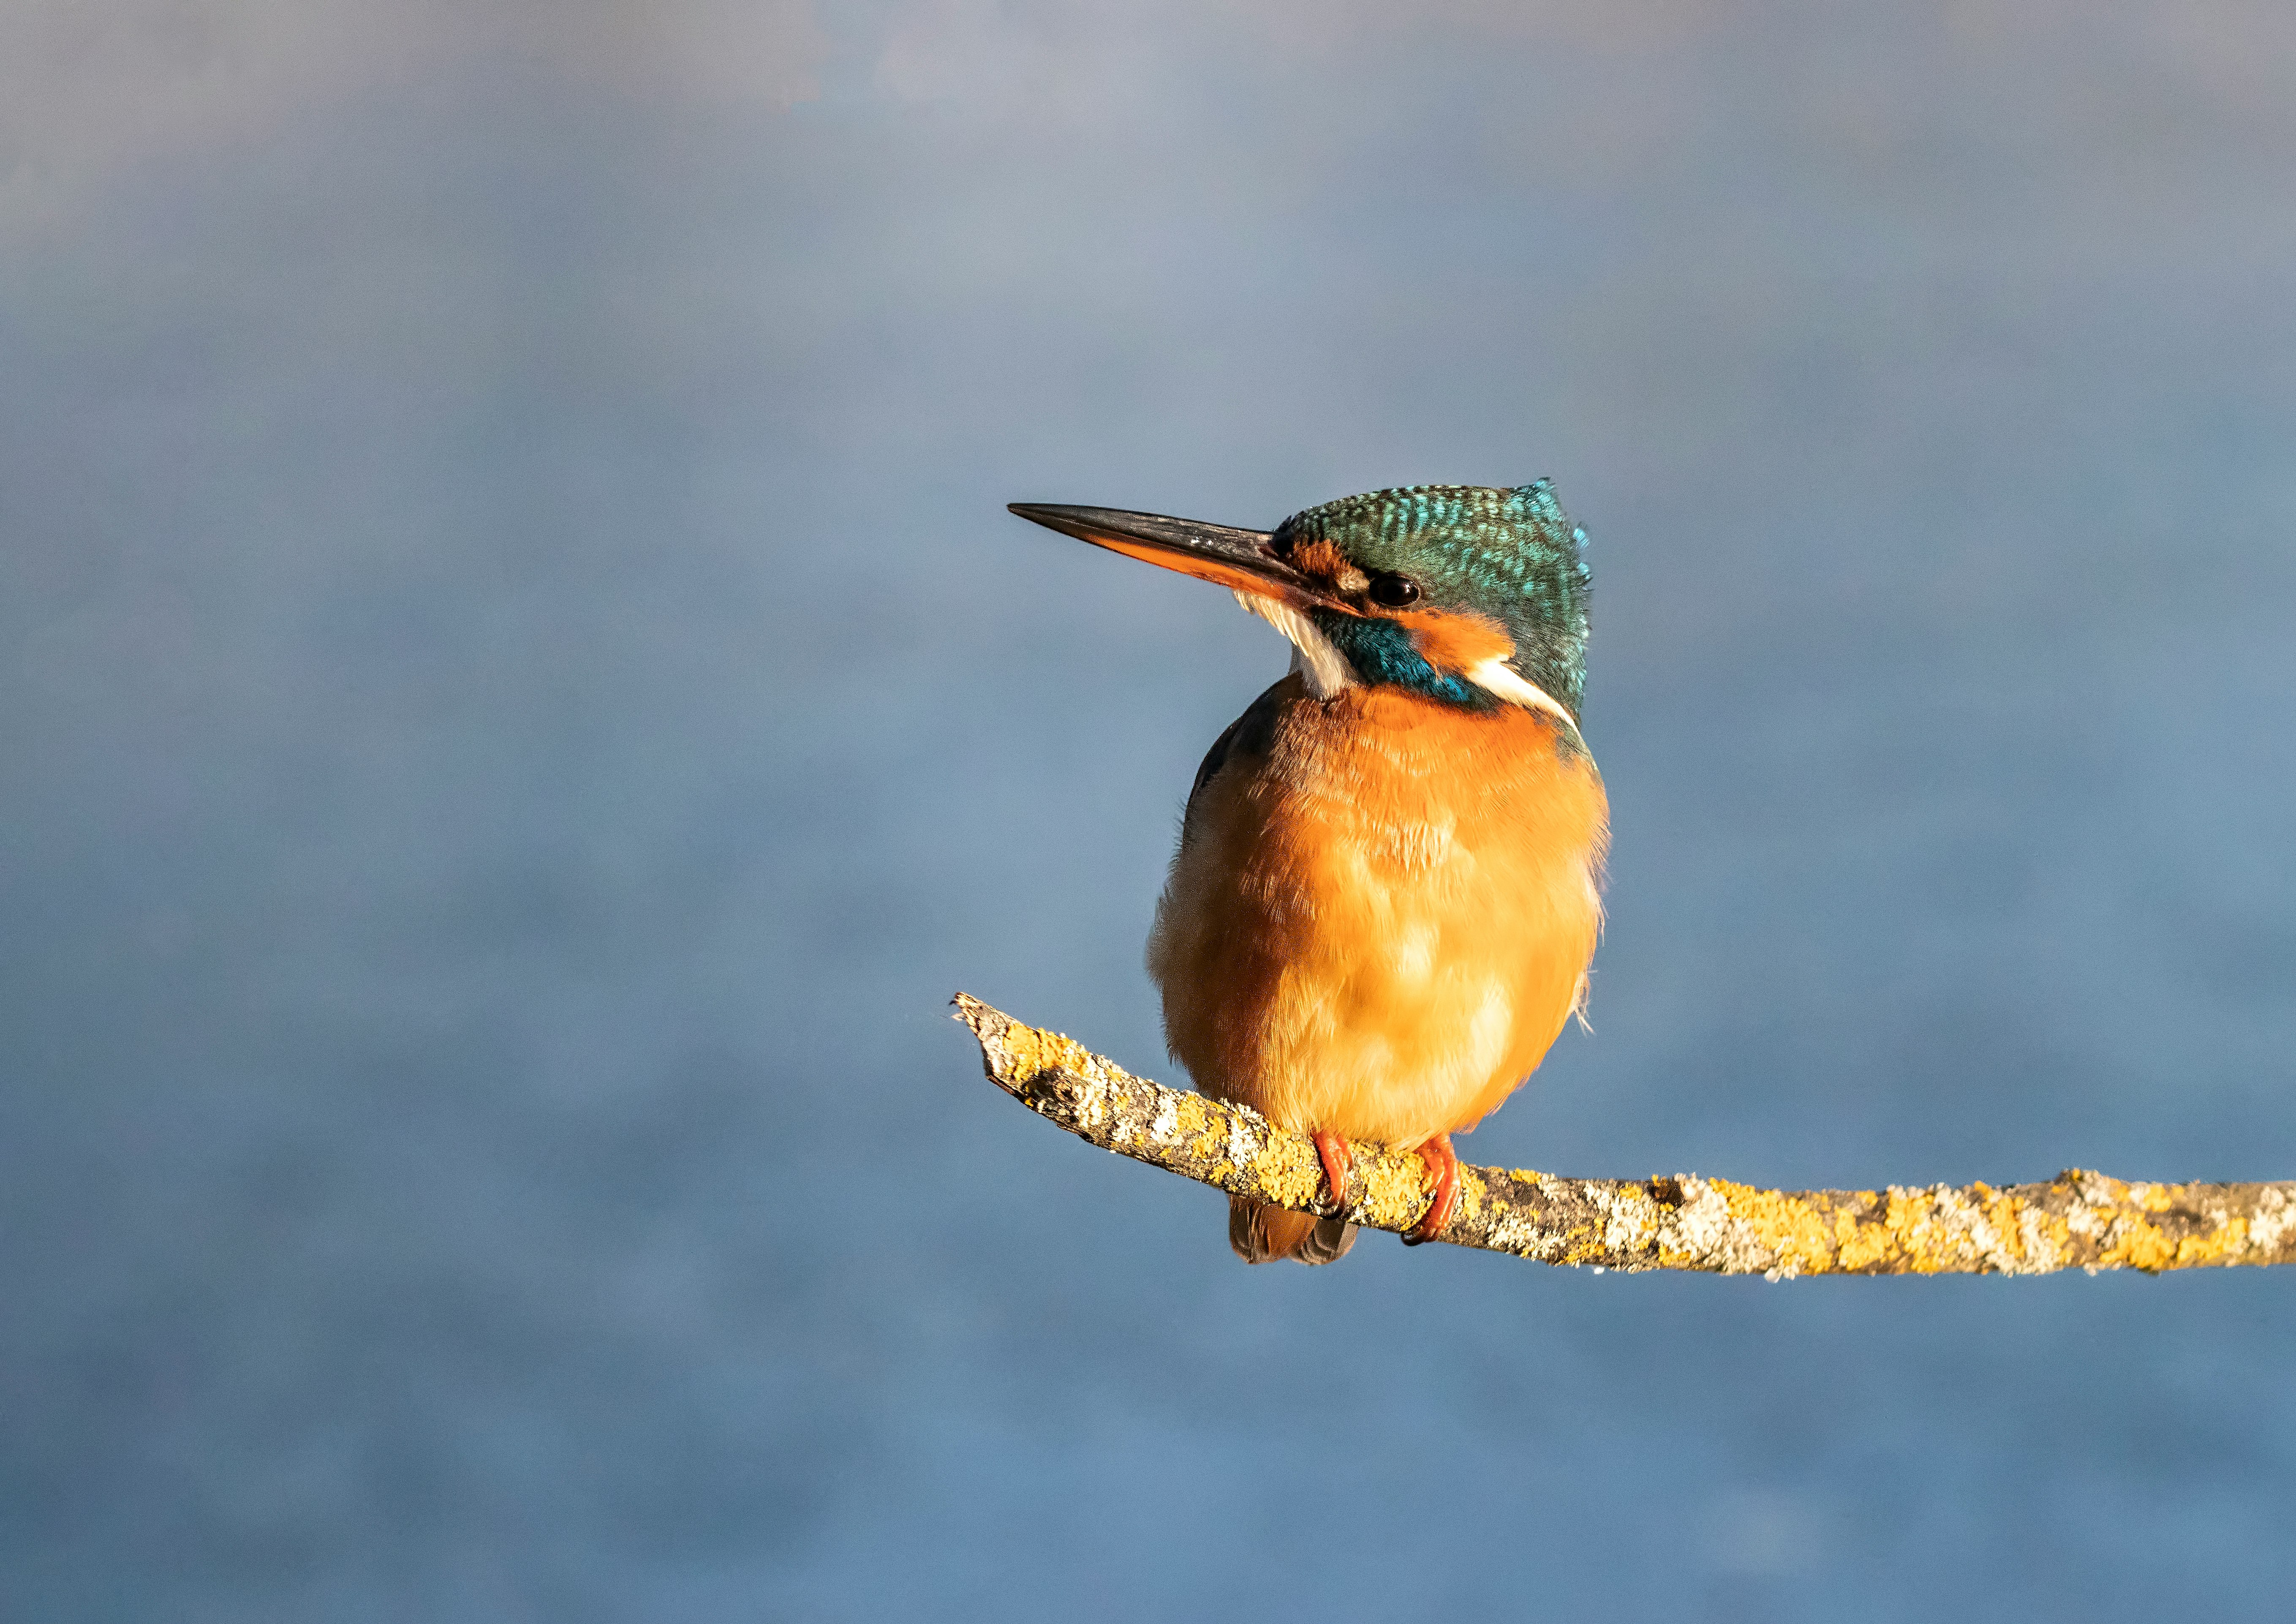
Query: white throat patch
x,y
1313,656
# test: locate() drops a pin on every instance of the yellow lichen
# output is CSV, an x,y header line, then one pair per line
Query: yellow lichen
x,y
1289,1178
1779,1223
1393,1188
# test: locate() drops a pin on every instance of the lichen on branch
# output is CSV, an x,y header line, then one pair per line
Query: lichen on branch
x,y
1681,1221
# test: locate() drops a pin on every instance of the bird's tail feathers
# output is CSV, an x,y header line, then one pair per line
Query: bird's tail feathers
x,y
1261,1233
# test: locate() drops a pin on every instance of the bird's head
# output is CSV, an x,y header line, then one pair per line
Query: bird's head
x,y
1466,595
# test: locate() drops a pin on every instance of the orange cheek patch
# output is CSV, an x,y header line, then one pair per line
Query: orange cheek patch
x,y
1457,642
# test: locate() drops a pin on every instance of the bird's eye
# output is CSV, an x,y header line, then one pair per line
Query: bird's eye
x,y
1394,591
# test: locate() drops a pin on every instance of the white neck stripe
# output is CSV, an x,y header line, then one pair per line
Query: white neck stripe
x,y
1495,675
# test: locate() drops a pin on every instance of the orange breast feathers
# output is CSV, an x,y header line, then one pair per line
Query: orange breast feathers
x,y
1382,911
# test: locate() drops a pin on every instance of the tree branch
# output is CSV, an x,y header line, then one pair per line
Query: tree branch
x,y
2077,1220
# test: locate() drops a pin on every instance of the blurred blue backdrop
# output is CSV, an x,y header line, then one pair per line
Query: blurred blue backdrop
x,y
519,702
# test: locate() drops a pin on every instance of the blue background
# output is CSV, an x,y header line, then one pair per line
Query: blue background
x,y
519,702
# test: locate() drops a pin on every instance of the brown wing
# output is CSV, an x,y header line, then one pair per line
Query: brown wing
x,y
1246,737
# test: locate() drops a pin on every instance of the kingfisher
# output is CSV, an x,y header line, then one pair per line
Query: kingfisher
x,y
1387,889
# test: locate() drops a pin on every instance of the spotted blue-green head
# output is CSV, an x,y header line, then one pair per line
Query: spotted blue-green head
x,y
1468,596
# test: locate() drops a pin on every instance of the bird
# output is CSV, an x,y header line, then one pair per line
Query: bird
x,y
1387,889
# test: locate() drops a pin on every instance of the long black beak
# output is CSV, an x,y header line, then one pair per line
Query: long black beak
x,y
1242,558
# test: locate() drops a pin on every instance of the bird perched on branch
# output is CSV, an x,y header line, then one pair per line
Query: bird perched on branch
x,y
1387,891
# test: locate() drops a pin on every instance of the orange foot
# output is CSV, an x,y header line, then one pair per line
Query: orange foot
x,y
1339,1166
1443,1166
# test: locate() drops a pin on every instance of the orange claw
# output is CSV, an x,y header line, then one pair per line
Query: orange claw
x,y
1443,1166
1339,1166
